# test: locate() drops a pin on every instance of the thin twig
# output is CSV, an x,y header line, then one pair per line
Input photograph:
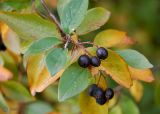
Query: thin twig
x,y
53,18
82,43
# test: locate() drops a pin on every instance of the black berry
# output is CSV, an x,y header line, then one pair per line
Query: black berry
x,y
101,100
98,93
2,46
95,61
92,89
84,61
109,93
102,53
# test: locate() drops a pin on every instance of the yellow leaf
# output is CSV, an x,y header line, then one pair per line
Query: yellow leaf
x,y
10,39
88,104
111,38
38,75
117,68
145,75
137,90
5,74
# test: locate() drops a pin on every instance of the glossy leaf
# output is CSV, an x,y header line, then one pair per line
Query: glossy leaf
x,y
93,20
56,60
112,38
73,81
71,13
137,90
38,76
5,74
128,107
38,107
88,104
3,103
135,59
143,75
29,26
117,68
42,45
15,91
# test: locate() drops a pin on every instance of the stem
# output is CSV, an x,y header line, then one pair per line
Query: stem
x,y
99,79
53,18
82,43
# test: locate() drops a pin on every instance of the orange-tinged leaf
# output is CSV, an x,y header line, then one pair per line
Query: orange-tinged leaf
x,y
137,90
111,38
45,79
35,65
10,39
88,104
38,75
5,74
145,75
117,68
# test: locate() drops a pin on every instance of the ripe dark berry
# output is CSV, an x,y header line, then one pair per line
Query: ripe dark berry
x,y
109,93
2,46
102,53
101,101
84,61
95,61
92,89
98,93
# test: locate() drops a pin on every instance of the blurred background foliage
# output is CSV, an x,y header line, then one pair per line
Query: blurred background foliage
x,y
139,18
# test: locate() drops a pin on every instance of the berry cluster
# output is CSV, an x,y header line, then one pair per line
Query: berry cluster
x,y
101,96
84,60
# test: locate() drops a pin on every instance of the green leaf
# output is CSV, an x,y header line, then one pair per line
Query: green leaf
x,y
29,26
135,59
116,110
38,107
16,91
93,20
71,13
128,106
56,60
10,5
42,45
3,104
73,81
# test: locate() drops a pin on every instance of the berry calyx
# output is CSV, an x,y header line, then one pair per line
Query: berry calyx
x,y
109,93
92,89
95,61
102,53
84,61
